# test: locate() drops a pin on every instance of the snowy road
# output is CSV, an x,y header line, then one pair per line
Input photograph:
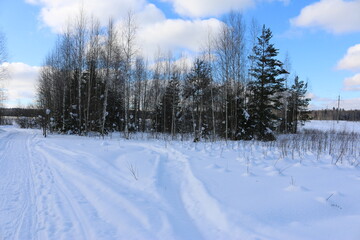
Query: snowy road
x,y
51,192
17,192
69,187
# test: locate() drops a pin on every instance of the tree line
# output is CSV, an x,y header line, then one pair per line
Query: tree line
x,y
95,79
335,114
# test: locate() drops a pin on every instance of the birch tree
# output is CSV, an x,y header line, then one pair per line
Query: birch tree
x,y
67,45
128,47
231,69
108,68
92,63
3,57
80,32
140,87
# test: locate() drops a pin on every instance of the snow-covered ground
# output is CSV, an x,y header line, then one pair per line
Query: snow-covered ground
x,y
338,126
69,187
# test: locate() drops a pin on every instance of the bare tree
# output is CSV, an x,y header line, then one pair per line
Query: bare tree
x,y
140,87
92,60
128,47
3,55
67,45
254,32
174,99
155,90
145,97
197,91
45,83
80,33
108,67
231,67
167,69
3,72
209,57
286,94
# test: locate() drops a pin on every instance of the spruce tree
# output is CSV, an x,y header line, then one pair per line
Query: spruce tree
x,y
298,103
266,87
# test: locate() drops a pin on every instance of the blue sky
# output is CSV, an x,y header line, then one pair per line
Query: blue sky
x,y
320,36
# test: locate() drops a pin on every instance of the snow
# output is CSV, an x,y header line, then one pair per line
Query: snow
x,y
327,125
71,187
246,115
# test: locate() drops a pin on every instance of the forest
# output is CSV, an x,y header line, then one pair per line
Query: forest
x,y
335,114
96,79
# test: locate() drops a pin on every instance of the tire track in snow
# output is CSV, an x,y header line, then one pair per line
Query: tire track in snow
x,y
81,196
63,213
199,206
55,220
168,188
16,187
97,184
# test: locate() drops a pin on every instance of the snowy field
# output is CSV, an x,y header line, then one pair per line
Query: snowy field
x,y
70,187
341,126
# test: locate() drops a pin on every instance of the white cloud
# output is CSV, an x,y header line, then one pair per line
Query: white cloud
x,y
352,83
204,8
318,103
208,8
56,13
150,14
335,16
352,103
351,61
154,30
310,95
176,34
20,85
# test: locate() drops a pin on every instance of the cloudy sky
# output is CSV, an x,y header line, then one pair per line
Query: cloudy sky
x,y
322,37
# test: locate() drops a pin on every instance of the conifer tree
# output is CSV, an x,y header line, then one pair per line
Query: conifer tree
x,y
298,103
266,87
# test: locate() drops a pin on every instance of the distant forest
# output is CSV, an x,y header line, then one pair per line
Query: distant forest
x,y
334,114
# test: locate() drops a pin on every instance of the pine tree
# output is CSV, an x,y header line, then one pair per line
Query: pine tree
x,y
298,103
266,87
197,91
